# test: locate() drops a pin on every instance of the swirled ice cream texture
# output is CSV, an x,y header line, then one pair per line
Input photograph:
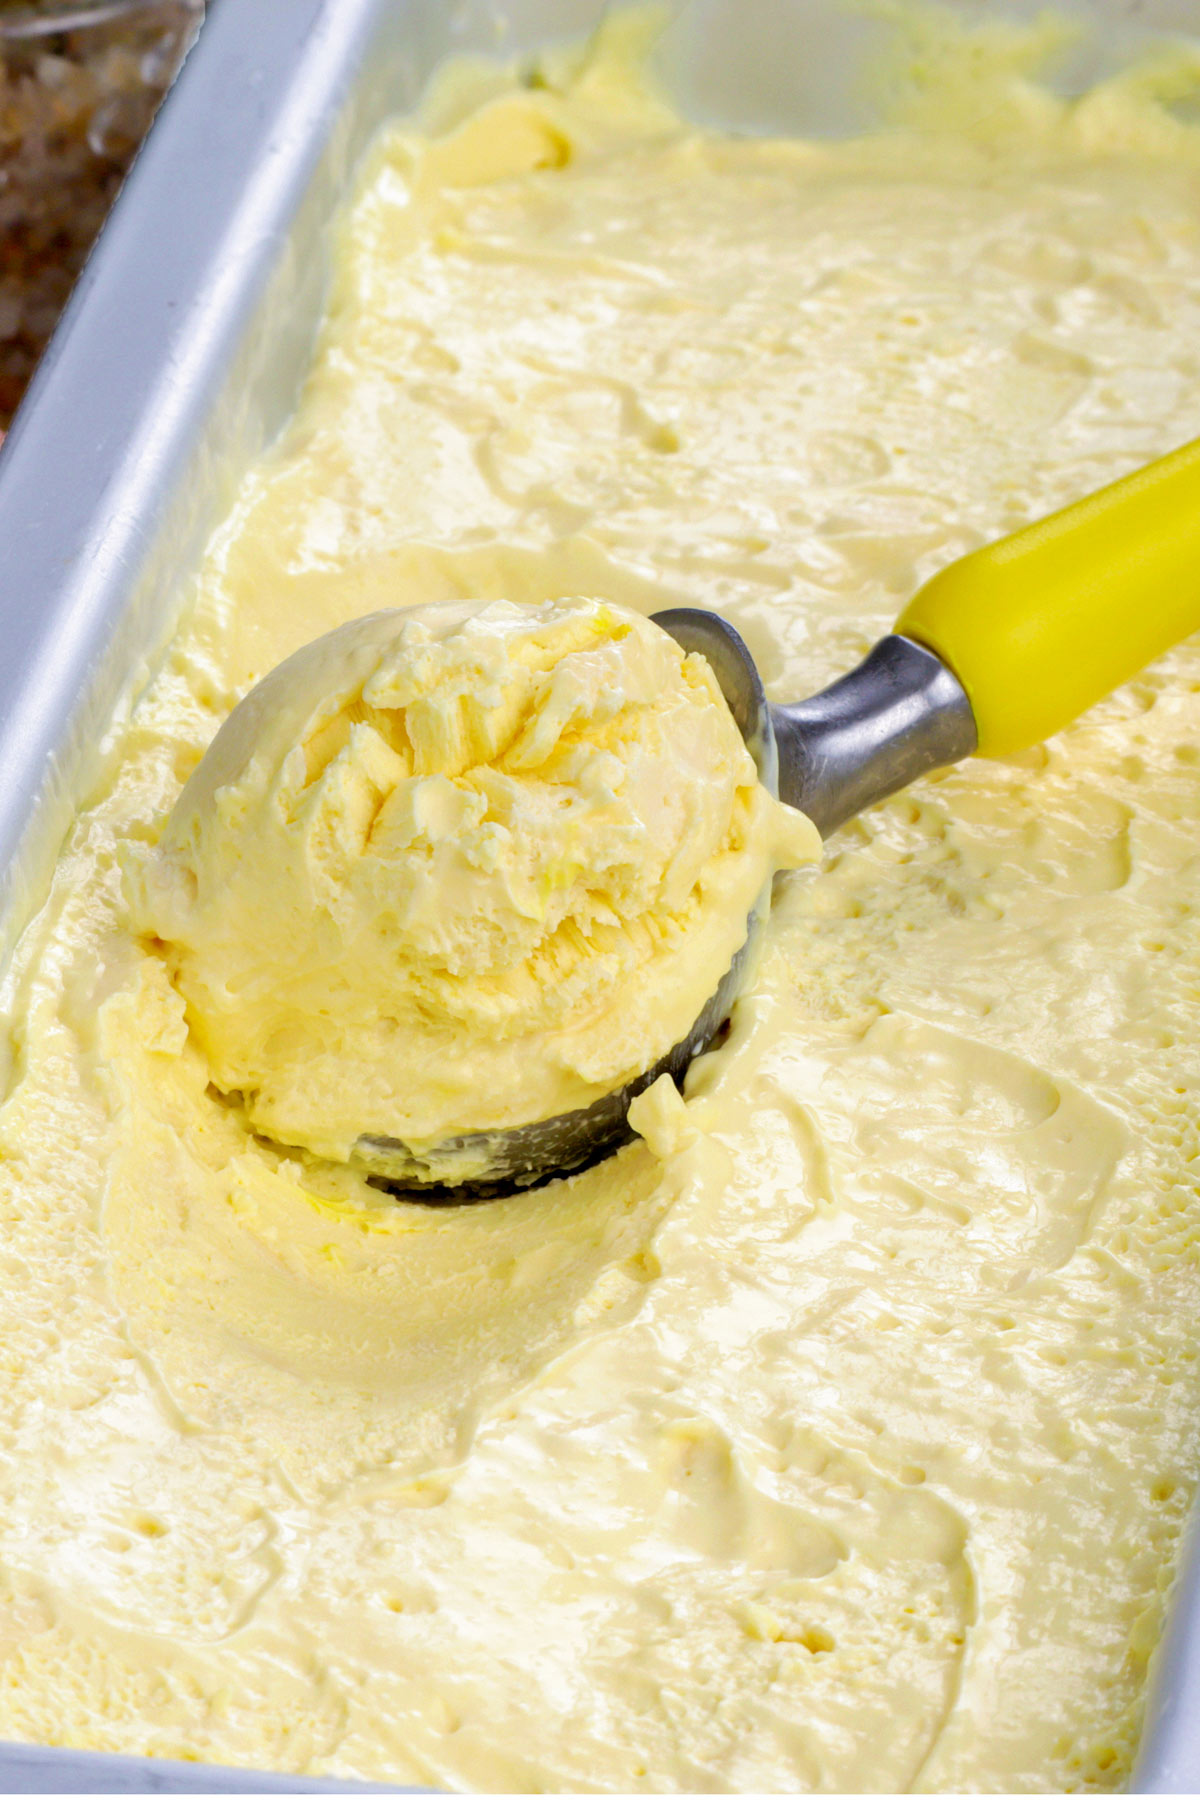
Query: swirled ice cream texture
x,y
839,1433
461,868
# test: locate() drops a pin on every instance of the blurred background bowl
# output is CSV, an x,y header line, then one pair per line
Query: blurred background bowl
x,y
79,85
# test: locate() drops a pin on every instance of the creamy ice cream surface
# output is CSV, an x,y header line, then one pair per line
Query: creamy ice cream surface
x,y
838,1433
460,868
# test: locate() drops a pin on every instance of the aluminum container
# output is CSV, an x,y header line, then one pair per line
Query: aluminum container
x,y
179,358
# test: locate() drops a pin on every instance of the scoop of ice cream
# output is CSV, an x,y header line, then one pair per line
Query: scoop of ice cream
x,y
458,868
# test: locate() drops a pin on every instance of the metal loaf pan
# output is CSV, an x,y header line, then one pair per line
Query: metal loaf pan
x,y
181,355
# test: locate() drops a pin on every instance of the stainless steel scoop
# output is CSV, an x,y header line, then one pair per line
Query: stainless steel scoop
x,y
1038,626
897,715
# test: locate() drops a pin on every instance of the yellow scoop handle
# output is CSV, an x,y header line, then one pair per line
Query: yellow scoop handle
x,y
1044,623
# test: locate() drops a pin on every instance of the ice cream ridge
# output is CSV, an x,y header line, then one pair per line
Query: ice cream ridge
x,y
458,868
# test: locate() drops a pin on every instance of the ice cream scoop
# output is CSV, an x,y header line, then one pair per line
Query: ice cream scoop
x,y
452,867
999,650
453,886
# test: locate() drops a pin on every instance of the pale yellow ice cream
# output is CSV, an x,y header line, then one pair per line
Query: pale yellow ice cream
x,y
838,1433
459,869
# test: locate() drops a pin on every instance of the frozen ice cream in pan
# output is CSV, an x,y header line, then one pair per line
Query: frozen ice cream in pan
x,y
838,1429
